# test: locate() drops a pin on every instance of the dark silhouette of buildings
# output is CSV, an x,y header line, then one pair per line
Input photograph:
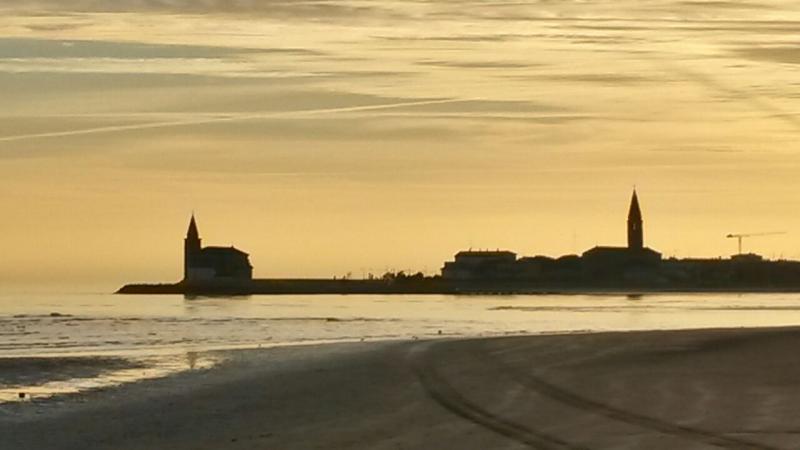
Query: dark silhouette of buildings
x,y
469,264
212,264
602,267
601,264
635,267
630,261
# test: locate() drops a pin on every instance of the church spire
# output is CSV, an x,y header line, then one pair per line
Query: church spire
x,y
192,233
191,249
635,231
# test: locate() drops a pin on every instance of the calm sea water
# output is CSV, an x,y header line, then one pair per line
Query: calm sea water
x,y
38,325
160,335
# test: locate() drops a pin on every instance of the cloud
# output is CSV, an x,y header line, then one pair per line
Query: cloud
x,y
598,78
350,74
21,88
290,9
485,37
478,64
697,148
576,38
20,48
690,25
52,27
731,93
785,54
723,5
610,27
480,106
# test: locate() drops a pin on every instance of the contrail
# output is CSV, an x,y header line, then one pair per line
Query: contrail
x,y
229,118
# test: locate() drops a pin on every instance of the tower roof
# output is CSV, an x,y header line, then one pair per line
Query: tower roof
x,y
192,233
634,213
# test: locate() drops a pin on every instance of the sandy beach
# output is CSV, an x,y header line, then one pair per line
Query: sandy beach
x,y
731,389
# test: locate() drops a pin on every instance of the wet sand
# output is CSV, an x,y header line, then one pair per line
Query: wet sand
x,y
732,389
39,370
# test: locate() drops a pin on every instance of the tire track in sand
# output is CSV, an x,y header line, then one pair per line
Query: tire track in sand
x,y
447,396
546,389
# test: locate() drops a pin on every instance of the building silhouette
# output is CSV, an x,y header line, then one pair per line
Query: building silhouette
x,y
597,265
480,264
227,271
212,264
603,260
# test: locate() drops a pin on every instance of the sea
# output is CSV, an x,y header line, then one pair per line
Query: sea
x,y
54,345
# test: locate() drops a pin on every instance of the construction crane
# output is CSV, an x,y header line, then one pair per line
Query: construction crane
x,y
739,236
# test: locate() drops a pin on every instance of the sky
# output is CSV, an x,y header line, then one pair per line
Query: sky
x,y
325,137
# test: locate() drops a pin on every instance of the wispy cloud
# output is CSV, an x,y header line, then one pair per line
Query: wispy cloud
x,y
611,78
716,4
477,37
59,26
785,54
757,102
27,48
478,64
321,9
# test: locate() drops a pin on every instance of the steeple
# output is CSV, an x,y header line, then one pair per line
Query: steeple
x,y
635,231
192,233
191,248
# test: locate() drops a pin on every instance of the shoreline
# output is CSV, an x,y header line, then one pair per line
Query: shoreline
x,y
636,389
373,287
102,362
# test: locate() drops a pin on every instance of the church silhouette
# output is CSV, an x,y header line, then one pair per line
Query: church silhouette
x,y
601,259
212,264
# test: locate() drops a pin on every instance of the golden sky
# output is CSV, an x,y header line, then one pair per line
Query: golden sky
x,y
326,137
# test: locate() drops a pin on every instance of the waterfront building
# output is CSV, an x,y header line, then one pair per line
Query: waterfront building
x,y
212,264
480,264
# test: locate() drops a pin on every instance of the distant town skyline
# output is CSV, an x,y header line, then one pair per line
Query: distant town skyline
x,y
345,136
635,267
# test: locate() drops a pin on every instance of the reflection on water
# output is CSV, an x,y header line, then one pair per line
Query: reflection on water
x,y
158,335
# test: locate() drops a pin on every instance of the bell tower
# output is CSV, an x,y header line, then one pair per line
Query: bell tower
x,y
191,248
635,231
